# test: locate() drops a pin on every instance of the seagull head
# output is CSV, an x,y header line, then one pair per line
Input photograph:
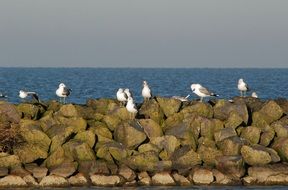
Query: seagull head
x,y
145,83
240,80
62,85
126,90
193,87
21,91
120,90
130,99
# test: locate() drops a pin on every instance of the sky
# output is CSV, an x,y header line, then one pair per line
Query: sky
x,y
147,33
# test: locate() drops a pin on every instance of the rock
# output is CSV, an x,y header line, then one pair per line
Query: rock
x,y
83,152
100,129
207,128
146,161
108,181
112,121
148,147
234,120
222,179
61,138
30,181
12,181
185,158
78,180
224,134
275,174
163,178
111,150
181,180
47,121
168,142
29,111
232,166
68,110
283,103
30,152
208,155
253,104
201,176
151,128
19,171
54,181
144,179
151,110
33,134
85,112
267,137
230,146
169,105
127,173
254,156
223,108
129,134
39,172
272,111
3,171
9,161
65,169
9,112
281,146
78,124
252,134
56,158
89,167
172,121
280,129
87,137
200,108
100,105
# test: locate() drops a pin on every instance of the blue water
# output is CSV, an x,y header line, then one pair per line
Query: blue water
x,y
97,83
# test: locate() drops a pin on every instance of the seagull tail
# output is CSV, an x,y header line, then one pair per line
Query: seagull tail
x,y
216,95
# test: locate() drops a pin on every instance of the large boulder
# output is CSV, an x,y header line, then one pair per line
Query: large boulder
x,y
29,152
9,161
185,158
201,176
146,161
199,108
251,134
68,110
9,112
102,105
231,146
63,136
151,110
129,134
281,146
65,169
224,134
209,154
223,108
151,128
253,155
30,111
87,137
163,179
168,142
169,105
233,166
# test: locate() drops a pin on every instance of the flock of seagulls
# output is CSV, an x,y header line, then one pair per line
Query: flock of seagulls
x,y
125,97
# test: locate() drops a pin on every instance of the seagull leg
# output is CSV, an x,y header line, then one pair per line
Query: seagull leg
x,y
201,99
64,100
241,93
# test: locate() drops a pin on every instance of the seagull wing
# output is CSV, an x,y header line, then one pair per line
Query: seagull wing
x,y
205,91
246,85
34,95
66,91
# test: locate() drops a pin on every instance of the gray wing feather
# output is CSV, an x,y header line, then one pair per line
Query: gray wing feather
x,y
66,91
204,91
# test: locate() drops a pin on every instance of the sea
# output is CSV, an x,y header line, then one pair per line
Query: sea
x,y
93,83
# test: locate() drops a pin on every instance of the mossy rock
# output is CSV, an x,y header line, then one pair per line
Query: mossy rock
x,y
29,111
100,129
146,161
169,105
200,108
30,152
232,166
151,128
9,161
121,112
222,134
234,120
87,137
130,134
281,146
61,138
85,112
148,147
47,121
267,137
185,158
208,155
272,111
231,146
168,142
223,108
255,156
112,150
172,121
55,158
9,112
252,134
68,110
102,105
151,110
77,123
112,121
280,129
33,134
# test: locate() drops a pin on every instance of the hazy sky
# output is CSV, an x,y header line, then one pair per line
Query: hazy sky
x,y
147,33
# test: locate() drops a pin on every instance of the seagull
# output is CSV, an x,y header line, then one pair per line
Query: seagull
x,y
121,96
146,92
242,87
128,93
254,95
23,94
131,108
202,91
63,92
182,99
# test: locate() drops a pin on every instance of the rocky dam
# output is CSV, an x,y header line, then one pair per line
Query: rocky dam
x,y
168,143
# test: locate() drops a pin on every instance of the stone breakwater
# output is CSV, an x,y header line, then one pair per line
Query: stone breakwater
x,y
244,142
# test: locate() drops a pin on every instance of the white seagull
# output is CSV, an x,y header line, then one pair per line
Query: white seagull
x,y
63,92
182,99
254,95
201,91
146,92
23,94
131,108
128,93
242,87
121,96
